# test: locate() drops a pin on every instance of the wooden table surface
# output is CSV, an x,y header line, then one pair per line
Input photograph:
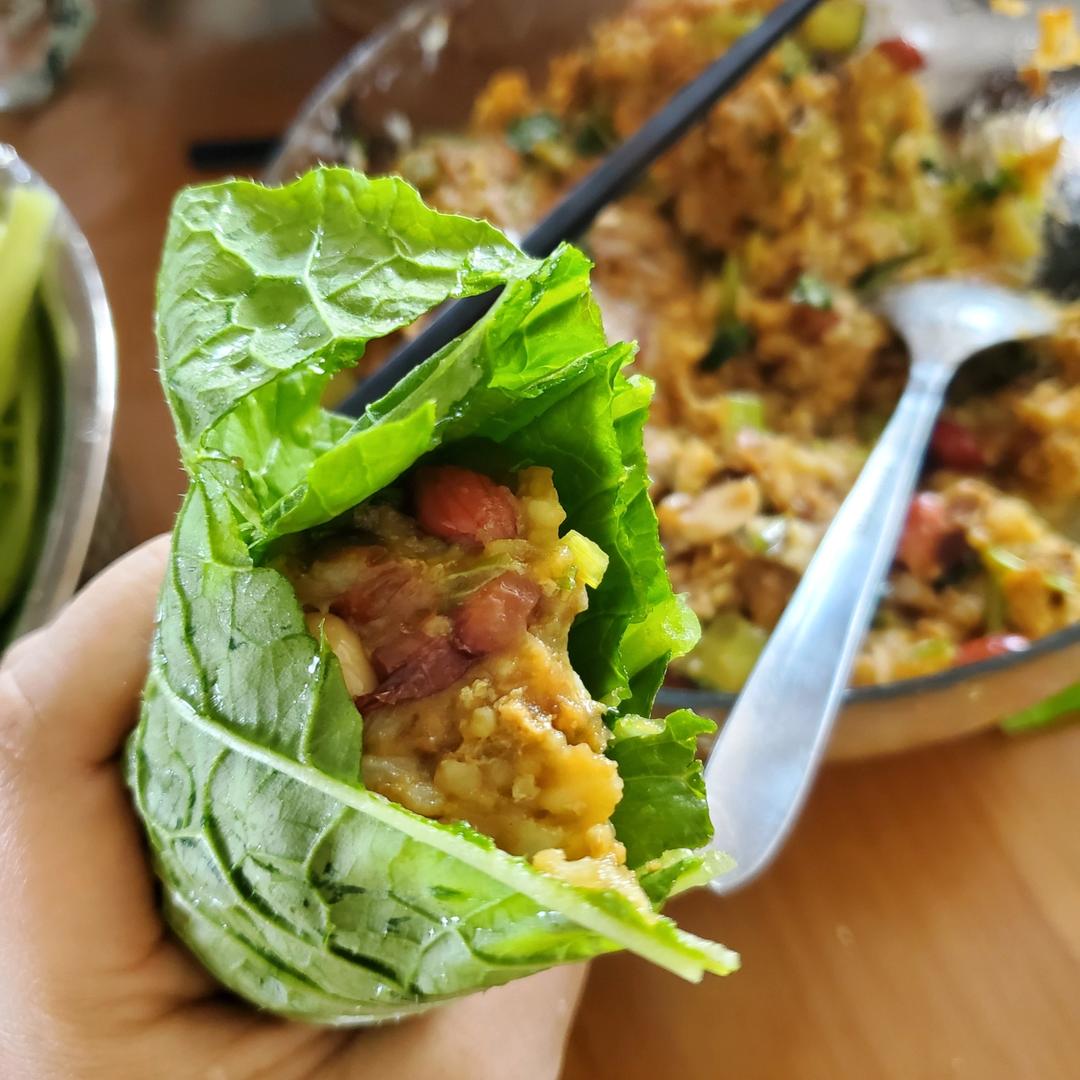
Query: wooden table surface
x,y
924,921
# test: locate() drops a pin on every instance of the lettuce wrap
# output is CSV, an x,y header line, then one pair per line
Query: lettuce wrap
x,y
299,887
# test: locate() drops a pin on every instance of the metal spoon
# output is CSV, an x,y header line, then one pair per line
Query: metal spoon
x,y
771,744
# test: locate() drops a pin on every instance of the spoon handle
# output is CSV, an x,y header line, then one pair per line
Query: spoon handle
x,y
769,748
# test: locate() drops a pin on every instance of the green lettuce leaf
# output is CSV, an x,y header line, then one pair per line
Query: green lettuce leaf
x,y
680,869
295,885
259,285
663,805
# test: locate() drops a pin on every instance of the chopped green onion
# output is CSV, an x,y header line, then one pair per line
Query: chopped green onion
x,y
931,167
595,135
933,649
766,535
1001,562
589,558
528,132
995,608
744,411
733,338
1006,182
731,279
813,292
985,190
794,60
1062,584
877,274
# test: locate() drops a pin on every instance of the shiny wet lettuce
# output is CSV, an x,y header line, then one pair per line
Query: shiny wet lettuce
x,y
300,889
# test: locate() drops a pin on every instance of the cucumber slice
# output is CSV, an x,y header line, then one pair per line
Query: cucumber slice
x,y
21,488
22,256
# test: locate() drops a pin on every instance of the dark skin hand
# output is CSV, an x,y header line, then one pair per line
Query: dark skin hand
x,y
91,983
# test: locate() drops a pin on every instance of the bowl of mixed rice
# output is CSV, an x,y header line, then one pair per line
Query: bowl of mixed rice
x,y
745,266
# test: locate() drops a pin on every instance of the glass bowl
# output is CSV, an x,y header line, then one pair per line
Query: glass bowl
x,y
421,73
75,303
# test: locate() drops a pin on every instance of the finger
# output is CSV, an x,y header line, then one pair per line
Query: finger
x,y
519,1030
77,910
79,677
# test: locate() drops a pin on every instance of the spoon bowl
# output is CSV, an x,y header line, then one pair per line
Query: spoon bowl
x,y
945,321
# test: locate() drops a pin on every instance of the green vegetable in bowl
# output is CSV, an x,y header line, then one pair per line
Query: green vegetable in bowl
x,y
743,410
929,655
981,190
767,534
794,60
878,275
595,133
23,375
298,886
813,292
21,467
541,136
733,338
25,231
528,132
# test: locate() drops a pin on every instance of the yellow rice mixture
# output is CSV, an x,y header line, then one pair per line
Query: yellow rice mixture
x,y
742,265
514,745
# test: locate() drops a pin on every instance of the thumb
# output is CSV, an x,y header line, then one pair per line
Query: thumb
x,y
76,882
78,678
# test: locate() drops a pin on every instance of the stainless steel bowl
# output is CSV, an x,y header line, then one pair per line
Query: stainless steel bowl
x,y
75,301
421,72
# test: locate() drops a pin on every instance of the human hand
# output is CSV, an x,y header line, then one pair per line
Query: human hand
x,y
91,983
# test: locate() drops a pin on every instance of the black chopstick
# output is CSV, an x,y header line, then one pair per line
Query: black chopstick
x,y
218,155
574,213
